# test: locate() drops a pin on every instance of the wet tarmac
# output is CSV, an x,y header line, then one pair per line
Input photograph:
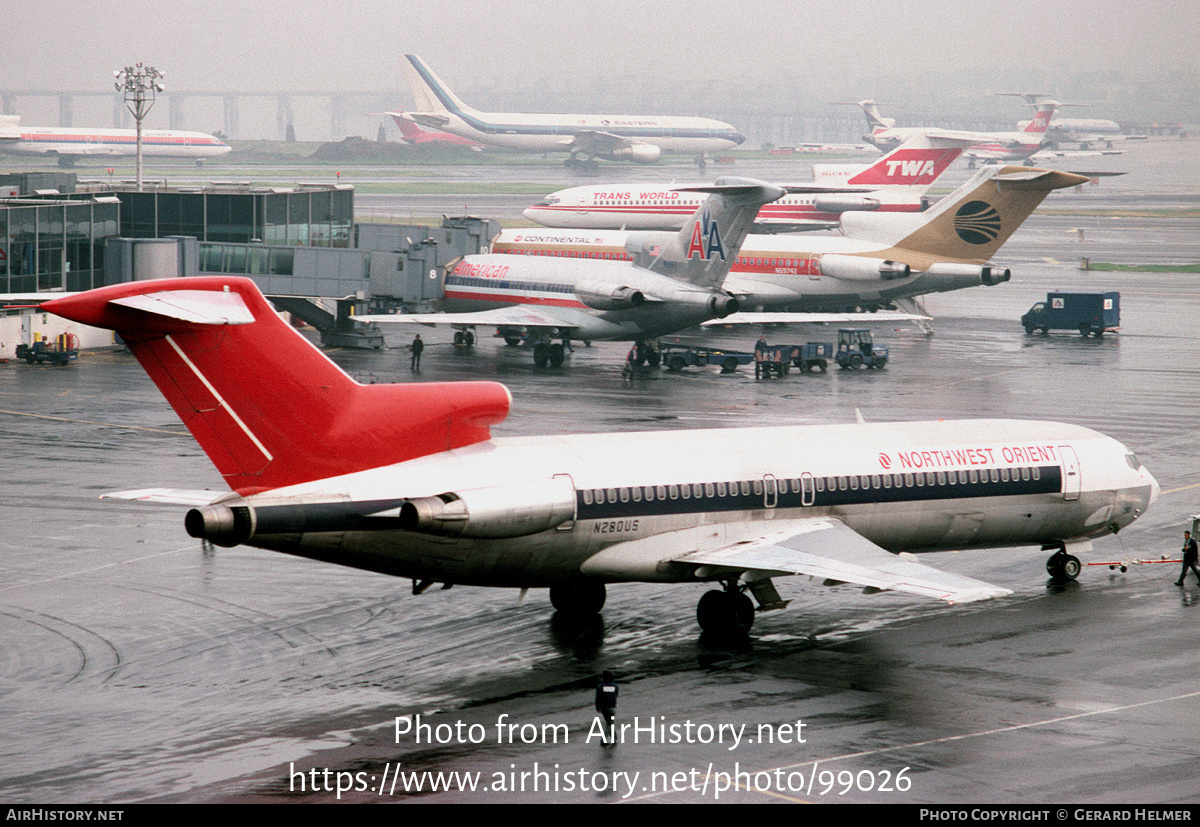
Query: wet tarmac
x,y
137,666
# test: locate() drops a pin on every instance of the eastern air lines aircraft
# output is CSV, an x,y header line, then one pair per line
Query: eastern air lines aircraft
x,y
407,480
638,138
69,145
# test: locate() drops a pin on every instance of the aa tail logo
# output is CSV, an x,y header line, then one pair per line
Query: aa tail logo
x,y
977,222
706,239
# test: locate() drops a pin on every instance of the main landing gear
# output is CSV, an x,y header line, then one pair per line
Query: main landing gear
x,y
584,164
549,353
1062,567
578,599
725,613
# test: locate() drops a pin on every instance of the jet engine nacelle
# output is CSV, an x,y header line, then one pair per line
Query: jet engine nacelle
x,y
638,153
602,295
501,511
862,268
844,203
973,273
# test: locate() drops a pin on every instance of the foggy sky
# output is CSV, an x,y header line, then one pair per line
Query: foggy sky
x,y
727,60
287,45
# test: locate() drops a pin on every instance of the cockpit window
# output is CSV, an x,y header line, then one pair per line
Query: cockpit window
x,y
1133,461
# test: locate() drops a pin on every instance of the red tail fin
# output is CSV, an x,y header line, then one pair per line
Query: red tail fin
x,y
267,407
905,166
408,128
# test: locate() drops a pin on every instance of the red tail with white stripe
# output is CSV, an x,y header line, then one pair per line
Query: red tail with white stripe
x,y
268,408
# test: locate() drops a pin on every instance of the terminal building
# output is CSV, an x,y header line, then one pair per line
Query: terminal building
x,y
299,244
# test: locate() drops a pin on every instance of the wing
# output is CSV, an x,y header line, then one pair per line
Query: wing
x,y
746,317
597,143
819,547
517,315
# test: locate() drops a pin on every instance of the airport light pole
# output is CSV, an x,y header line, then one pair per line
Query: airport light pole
x,y
140,84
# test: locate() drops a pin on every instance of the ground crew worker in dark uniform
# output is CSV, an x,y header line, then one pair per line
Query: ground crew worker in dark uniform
x,y
606,700
416,347
1189,558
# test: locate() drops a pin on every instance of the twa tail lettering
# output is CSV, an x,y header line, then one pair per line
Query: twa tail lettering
x,y
915,163
267,407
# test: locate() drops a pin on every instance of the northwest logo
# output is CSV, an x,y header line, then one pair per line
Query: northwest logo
x,y
706,239
977,222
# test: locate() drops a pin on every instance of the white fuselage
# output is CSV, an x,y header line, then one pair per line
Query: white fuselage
x,y
490,281
904,486
771,271
68,142
556,133
658,207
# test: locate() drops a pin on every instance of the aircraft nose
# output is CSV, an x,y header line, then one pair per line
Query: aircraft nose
x,y
1155,489
738,138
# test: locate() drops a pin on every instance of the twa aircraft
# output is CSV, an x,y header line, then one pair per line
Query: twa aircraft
x,y
894,183
988,146
638,138
416,136
69,145
406,479
884,259
1082,131
676,285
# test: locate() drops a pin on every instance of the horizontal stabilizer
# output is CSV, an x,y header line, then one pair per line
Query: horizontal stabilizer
x,y
168,496
196,306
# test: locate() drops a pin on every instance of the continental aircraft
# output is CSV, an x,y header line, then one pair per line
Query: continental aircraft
x,y
894,183
680,285
882,260
989,146
406,479
69,145
638,138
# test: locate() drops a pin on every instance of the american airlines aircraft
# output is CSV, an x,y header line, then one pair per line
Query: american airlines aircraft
x,y
69,145
894,183
407,479
675,286
883,258
638,138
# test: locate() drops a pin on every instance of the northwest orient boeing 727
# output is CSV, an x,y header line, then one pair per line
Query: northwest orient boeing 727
x,y
638,138
68,145
894,183
407,480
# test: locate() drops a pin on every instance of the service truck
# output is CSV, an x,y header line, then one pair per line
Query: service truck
x,y
1094,313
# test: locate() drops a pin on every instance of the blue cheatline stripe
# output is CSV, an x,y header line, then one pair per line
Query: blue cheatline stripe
x,y
823,492
485,127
